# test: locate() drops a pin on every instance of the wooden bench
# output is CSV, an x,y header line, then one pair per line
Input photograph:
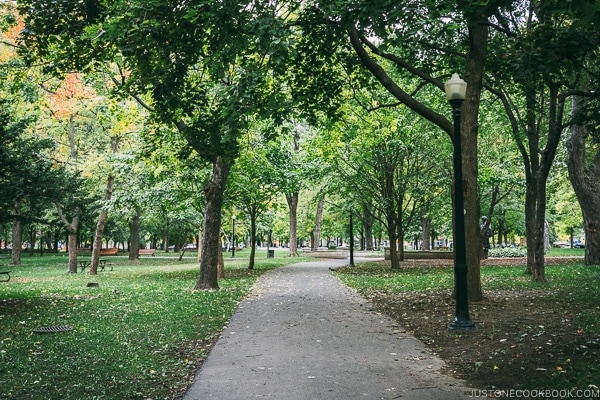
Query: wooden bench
x,y
149,252
7,273
109,252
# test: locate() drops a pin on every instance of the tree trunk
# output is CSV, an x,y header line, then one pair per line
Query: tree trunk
x,y
221,262
97,246
292,200
134,239
425,228
584,173
32,239
367,221
318,222
478,43
539,164
199,243
17,235
213,191
166,236
72,229
391,231
252,238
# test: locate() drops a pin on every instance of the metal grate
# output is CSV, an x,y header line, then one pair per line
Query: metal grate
x,y
53,329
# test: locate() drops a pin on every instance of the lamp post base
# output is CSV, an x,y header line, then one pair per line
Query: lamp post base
x,y
462,325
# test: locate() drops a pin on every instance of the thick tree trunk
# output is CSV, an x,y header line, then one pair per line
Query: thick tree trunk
x,y
213,191
134,232
478,43
292,200
316,240
72,244
97,246
584,173
17,235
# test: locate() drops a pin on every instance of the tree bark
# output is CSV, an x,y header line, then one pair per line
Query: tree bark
x,y
391,231
584,173
17,235
221,262
252,238
134,232
367,221
97,246
72,229
539,164
292,200
199,243
426,229
318,222
478,43
213,191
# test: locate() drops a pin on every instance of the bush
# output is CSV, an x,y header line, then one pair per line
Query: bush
x,y
508,252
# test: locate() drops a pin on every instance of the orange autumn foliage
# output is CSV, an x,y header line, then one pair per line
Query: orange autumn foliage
x,y
67,99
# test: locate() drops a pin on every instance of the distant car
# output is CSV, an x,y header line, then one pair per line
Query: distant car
x,y
578,244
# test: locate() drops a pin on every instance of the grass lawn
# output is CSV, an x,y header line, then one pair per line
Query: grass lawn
x,y
529,335
140,334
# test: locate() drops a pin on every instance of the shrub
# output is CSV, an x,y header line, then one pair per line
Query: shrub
x,y
508,252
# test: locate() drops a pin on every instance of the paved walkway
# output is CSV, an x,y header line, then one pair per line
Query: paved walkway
x,y
302,335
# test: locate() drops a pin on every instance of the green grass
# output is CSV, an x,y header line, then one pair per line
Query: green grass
x,y
571,283
560,252
139,335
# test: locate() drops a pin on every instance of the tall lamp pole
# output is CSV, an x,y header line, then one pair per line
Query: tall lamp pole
x,y
456,90
233,236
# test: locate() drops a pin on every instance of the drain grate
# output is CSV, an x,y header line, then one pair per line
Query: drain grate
x,y
53,329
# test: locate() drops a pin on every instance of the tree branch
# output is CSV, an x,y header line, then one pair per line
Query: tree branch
x,y
394,89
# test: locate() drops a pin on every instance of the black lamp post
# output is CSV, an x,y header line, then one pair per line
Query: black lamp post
x,y
456,90
233,236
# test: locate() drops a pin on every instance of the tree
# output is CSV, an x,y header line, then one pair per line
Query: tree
x,y
400,45
207,81
290,166
252,187
547,49
28,177
583,160
392,159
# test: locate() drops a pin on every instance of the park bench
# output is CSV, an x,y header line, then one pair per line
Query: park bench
x,y
109,252
7,273
148,252
83,264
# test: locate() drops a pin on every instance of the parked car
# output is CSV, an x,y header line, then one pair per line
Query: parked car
x,y
578,244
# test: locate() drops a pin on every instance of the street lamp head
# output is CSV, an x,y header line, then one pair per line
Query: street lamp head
x,y
233,217
456,88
